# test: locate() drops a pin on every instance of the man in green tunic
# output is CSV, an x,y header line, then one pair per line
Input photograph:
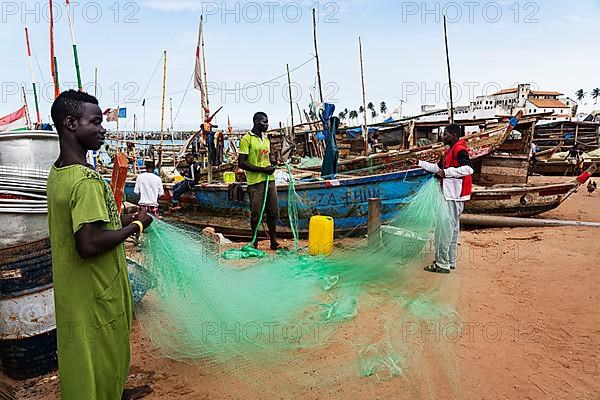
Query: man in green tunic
x,y
92,293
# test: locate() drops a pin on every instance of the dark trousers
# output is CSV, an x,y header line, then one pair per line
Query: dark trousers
x,y
256,193
181,188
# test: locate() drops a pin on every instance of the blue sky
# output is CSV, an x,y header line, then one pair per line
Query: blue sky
x,y
493,44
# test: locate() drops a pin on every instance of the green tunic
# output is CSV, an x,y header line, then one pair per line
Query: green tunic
x,y
92,296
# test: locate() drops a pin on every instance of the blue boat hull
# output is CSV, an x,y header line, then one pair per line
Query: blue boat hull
x,y
346,200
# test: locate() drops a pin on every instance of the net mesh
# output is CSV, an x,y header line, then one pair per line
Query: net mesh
x,y
250,316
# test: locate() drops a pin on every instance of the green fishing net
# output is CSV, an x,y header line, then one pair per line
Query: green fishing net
x,y
260,314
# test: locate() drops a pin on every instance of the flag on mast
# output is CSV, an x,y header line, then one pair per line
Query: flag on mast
x,y
16,121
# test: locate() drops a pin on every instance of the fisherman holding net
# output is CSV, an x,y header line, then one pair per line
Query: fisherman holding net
x,y
92,293
255,148
454,171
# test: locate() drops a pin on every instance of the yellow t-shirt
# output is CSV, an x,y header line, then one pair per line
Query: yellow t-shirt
x,y
258,151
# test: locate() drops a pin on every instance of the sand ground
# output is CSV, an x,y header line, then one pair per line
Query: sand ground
x,y
528,328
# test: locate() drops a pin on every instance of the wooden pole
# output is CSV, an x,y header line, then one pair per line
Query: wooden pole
x,y
207,111
374,222
74,44
317,55
119,144
35,96
53,62
362,77
162,117
299,113
135,166
171,114
290,93
27,117
451,114
96,82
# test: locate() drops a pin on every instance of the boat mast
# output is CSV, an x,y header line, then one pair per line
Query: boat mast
x,y
162,116
451,113
291,101
317,55
27,117
171,117
35,96
207,103
75,56
53,61
364,97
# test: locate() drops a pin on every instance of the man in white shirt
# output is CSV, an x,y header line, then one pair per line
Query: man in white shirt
x,y
454,171
150,187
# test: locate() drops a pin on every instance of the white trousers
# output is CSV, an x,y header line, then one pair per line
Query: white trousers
x,y
446,236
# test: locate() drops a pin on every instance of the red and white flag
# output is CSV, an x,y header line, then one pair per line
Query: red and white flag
x,y
16,121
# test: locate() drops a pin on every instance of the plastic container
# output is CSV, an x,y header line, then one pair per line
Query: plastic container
x,y
178,178
320,235
228,177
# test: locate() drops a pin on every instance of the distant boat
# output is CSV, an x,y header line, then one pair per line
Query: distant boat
x,y
523,200
480,144
562,167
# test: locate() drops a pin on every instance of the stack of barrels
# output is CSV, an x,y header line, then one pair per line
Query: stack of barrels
x,y
27,321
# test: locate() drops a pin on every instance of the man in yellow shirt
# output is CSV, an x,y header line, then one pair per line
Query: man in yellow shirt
x,y
254,152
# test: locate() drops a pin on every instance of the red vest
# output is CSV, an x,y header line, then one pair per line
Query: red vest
x,y
450,159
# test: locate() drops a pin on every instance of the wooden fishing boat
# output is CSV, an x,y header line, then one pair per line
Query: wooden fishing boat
x,y
345,199
562,167
523,200
480,144
548,153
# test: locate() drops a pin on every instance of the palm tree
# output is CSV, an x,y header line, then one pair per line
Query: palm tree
x,y
353,115
595,95
371,107
383,107
580,94
361,109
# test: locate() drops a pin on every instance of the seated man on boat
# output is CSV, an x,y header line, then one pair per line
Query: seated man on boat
x,y
191,177
455,170
149,187
255,149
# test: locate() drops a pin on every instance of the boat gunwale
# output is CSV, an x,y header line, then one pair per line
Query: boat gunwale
x,y
320,184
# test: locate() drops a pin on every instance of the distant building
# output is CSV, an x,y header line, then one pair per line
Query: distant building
x,y
507,102
522,98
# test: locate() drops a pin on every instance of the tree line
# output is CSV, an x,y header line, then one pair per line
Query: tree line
x,y
595,93
353,115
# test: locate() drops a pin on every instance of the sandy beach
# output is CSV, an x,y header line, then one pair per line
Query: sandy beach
x,y
526,326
